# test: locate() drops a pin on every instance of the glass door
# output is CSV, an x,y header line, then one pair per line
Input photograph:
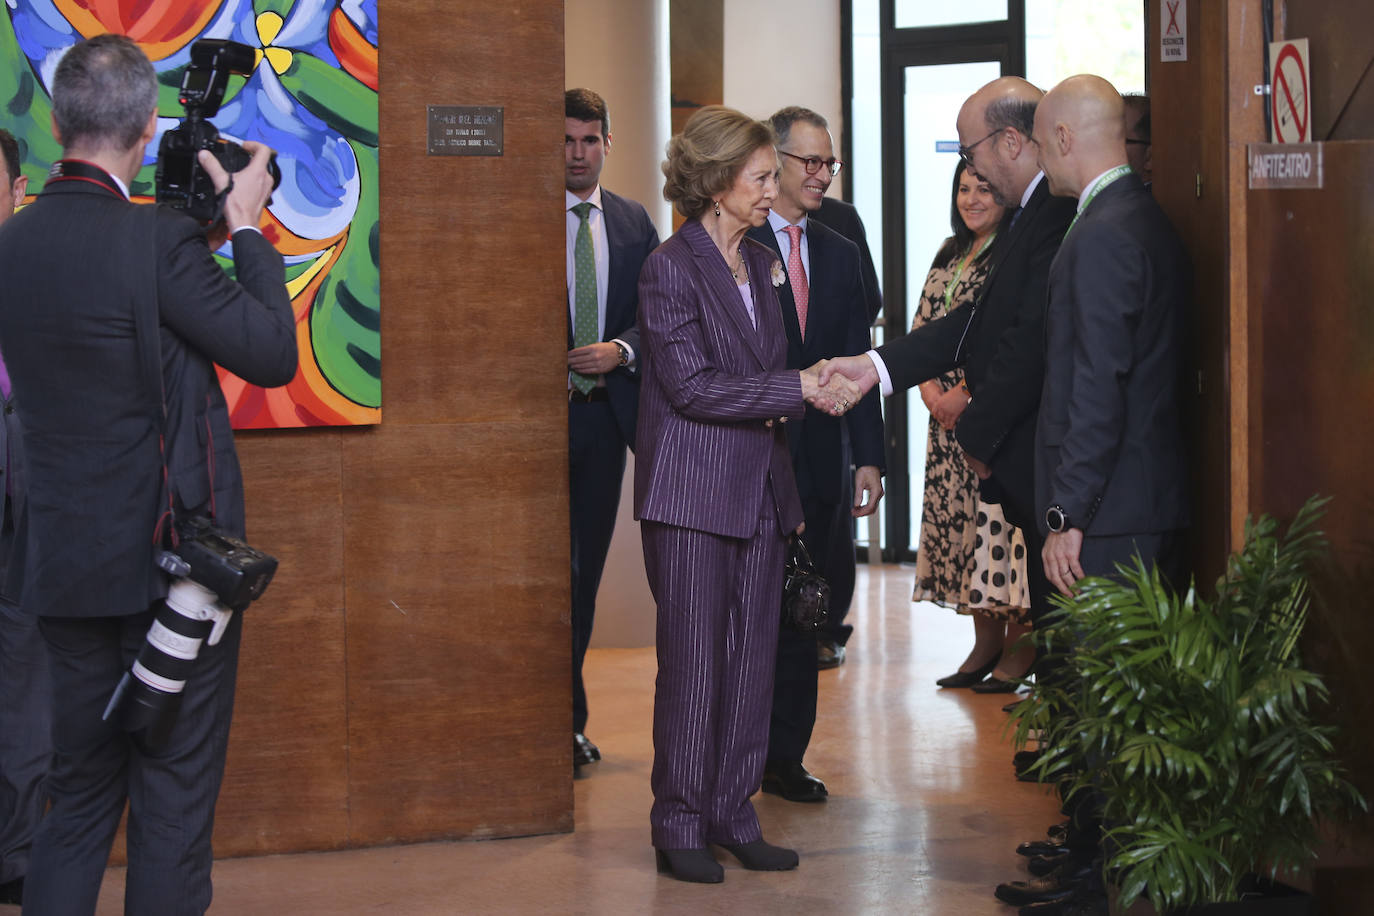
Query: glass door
x,y
927,73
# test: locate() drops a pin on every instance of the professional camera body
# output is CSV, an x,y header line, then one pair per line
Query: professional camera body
x,y
181,182
216,574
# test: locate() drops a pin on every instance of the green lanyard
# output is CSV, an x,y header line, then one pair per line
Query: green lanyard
x,y
1102,182
953,283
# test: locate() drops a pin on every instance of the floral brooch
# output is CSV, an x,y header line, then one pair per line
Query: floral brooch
x,y
776,274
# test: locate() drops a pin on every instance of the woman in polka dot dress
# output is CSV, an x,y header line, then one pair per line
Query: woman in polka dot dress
x,y
969,559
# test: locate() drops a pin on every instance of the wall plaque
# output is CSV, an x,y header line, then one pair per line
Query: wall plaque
x,y
466,130
1285,165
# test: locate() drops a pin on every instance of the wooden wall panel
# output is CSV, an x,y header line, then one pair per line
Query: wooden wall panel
x,y
459,700
1202,116
286,781
406,676
1313,258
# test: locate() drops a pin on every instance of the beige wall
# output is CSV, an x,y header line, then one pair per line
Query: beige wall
x,y
619,48
785,52
634,82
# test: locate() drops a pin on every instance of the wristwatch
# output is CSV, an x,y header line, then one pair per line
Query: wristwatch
x,y
1056,519
624,354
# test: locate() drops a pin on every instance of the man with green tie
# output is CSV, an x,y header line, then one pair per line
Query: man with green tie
x,y
608,239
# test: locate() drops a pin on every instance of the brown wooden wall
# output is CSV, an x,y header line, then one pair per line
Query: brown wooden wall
x,y
406,677
1284,332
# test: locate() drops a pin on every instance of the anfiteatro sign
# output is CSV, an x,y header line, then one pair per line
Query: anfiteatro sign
x,y
1285,165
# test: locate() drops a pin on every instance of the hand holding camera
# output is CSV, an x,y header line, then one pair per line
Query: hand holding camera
x,y
250,189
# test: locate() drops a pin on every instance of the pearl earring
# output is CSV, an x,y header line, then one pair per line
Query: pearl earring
x,y
717,208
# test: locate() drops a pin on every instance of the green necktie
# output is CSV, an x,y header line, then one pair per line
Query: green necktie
x,y
584,293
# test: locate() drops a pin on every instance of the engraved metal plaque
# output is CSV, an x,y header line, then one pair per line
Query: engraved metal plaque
x,y
466,130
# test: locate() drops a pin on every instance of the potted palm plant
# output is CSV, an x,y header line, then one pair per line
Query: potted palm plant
x,y
1202,724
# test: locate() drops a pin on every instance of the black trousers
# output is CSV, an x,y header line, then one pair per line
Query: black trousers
x,y
171,790
596,465
828,538
25,723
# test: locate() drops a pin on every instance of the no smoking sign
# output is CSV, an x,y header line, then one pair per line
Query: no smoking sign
x,y
1290,100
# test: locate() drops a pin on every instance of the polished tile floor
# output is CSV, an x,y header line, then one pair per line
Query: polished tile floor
x,y
923,814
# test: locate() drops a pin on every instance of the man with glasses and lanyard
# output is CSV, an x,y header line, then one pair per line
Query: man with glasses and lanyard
x,y
838,461
1000,341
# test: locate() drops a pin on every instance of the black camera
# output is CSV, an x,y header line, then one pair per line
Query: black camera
x,y
181,182
216,574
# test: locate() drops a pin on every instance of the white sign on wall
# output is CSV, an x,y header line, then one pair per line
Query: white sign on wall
x,y
1290,99
1173,30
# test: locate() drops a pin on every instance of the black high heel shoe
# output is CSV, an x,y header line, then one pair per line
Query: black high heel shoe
x,y
694,865
761,856
968,678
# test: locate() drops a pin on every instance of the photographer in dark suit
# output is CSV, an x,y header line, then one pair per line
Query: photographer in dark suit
x,y
76,262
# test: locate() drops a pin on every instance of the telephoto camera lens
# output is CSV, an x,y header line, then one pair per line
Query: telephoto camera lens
x,y
148,697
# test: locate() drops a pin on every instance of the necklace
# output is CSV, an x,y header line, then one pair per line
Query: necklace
x,y
735,273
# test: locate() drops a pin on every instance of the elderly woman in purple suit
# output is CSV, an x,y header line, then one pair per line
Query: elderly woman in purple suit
x,y
715,492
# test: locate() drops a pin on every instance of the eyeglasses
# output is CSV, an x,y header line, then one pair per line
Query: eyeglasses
x,y
966,152
813,165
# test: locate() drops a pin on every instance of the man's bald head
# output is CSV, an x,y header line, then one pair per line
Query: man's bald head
x,y
994,126
1080,132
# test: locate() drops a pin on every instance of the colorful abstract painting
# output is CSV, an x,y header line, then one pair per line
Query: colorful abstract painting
x,y
312,96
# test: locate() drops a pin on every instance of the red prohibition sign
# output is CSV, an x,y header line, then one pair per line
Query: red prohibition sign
x,y
1289,52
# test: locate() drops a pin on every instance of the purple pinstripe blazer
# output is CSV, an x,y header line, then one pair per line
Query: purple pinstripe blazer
x,y
709,380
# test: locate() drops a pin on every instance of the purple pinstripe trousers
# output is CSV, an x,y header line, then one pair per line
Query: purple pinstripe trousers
x,y
718,607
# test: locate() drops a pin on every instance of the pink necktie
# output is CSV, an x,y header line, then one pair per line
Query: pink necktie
x,y
796,275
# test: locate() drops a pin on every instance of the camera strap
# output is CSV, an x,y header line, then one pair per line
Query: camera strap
x,y
142,275
80,170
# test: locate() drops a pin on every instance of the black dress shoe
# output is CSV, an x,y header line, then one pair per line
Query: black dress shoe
x,y
1044,864
1057,885
1041,848
694,865
584,752
829,654
761,856
997,685
793,782
1089,899
1025,759
967,678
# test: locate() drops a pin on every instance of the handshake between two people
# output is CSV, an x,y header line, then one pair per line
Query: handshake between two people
x,y
835,386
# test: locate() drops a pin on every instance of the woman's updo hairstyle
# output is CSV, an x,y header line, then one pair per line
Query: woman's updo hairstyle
x,y
704,160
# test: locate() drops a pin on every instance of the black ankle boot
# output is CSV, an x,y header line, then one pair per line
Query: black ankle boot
x,y
695,865
761,856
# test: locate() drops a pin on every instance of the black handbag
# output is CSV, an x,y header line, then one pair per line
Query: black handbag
x,y
805,594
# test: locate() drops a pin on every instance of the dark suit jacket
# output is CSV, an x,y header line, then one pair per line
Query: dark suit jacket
x,y
631,235
1110,445
710,381
844,219
1000,342
836,325
75,261
12,486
